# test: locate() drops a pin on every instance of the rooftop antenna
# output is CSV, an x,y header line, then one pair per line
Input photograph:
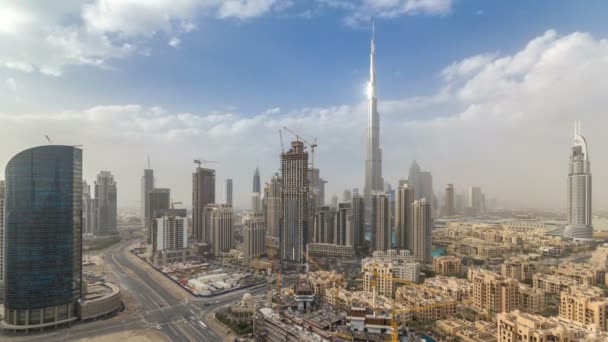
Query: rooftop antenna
x,y
148,162
48,139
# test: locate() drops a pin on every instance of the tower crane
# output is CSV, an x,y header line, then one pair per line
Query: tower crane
x,y
281,137
201,161
172,215
312,146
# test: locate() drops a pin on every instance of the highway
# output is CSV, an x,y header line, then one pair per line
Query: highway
x,y
158,307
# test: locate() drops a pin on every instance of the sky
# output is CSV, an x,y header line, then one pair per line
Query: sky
x,y
479,93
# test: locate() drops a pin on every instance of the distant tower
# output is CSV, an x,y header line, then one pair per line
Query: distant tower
x,y
413,179
88,211
1,241
422,226
358,221
159,202
334,201
256,196
579,189
43,238
344,225
203,193
324,225
347,196
106,199
294,202
474,201
381,220
448,205
229,191
373,164
404,197
147,184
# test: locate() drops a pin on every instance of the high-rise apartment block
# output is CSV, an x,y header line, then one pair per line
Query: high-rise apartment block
x,y
381,222
254,234
358,221
273,213
106,200
585,305
147,184
294,202
229,191
170,231
159,201
474,201
89,210
492,292
324,225
203,193
43,256
422,228
1,241
448,201
579,190
404,198
344,225
219,220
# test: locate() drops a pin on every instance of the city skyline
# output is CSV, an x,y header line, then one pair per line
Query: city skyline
x,y
444,109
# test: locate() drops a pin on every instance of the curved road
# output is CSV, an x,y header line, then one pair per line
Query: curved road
x,y
158,307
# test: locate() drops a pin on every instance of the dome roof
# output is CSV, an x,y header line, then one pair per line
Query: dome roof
x,y
247,297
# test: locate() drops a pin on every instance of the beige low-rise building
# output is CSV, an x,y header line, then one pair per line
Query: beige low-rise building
x,y
479,331
426,303
384,275
531,300
585,305
551,283
518,268
493,293
447,265
101,299
599,257
517,326
458,289
580,273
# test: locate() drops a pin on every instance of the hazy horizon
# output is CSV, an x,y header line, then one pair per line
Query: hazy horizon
x,y
475,96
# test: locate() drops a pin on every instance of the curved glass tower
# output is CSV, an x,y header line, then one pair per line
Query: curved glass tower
x,y
579,190
43,237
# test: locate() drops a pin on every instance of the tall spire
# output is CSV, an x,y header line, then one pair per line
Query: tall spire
x,y
372,65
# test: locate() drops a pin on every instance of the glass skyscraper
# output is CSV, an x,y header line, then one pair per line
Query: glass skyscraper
x,y
43,237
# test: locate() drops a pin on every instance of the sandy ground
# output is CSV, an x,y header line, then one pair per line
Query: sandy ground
x,y
130,336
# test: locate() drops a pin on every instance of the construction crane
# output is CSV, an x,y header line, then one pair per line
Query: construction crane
x,y
48,139
281,137
201,161
312,146
173,205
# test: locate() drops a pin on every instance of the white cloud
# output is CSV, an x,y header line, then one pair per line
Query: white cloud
x,y
48,36
174,42
503,122
361,11
11,84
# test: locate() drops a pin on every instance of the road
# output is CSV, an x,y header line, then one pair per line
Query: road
x,y
158,307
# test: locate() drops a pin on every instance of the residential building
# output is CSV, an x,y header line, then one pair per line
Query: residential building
x,y
422,226
324,225
474,201
219,219
43,257
404,198
518,268
344,225
254,235
452,287
273,213
531,300
106,200
147,184
599,257
448,265
492,292
551,283
229,191
448,201
381,222
169,232
203,193
159,201
294,202
330,250
585,305
358,221
88,210
2,190
517,326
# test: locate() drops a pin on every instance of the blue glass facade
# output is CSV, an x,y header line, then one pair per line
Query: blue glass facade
x,y
43,234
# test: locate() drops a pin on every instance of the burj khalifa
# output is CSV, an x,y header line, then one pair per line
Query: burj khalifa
x,y
373,165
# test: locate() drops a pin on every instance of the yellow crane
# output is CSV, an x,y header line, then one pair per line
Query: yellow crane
x,y
201,161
